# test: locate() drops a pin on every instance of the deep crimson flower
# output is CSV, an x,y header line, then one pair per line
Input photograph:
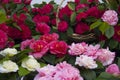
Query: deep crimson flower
x,y
77,1
27,1
80,6
14,33
92,0
58,48
81,28
10,43
26,32
4,27
117,33
62,26
66,11
95,12
17,1
20,19
3,39
80,16
39,48
46,9
42,28
5,1
53,21
49,37
40,19
25,9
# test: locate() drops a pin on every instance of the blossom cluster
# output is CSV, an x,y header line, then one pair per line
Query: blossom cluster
x,y
89,54
62,71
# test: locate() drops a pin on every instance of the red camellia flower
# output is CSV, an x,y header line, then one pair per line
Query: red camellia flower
x,y
49,37
4,27
40,19
17,1
3,39
39,48
117,33
46,9
62,26
80,16
80,6
26,32
27,1
58,48
77,1
42,28
5,1
81,28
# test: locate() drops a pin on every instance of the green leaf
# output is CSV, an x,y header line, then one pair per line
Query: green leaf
x,y
16,26
70,31
49,58
109,32
3,17
113,44
71,5
88,74
42,64
103,27
73,17
105,75
102,43
118,62
83,1
22,71
100,65
16,46
95,24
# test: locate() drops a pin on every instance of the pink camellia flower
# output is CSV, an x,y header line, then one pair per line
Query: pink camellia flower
x,y
105,56
62,26
17,1
58,48
26,43
117,33
49,37
77,49
113,69
81,28
3,39
42,28
41,19
92,51
66,71
111,17
39,48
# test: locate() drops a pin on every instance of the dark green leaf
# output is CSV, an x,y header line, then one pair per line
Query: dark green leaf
x,y
103,27
113,44
83,1
105,75
70,31
102,43
118,62
73,17
109,32
22,71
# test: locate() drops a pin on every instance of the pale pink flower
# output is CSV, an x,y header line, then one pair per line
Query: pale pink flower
x,y
86,61
26,43
77,49
105,56
39,48
66,71
92,51
113,69
111,17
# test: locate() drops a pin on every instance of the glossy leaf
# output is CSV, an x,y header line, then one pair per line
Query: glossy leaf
x,y
109,32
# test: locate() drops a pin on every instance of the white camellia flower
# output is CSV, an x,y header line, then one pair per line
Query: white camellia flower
x,y
30,63
9,52
87,62
8,66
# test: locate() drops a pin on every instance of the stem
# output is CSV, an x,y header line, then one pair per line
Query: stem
x,y
57,14
108,3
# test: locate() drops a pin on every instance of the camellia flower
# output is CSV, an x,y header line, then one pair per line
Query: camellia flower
x,y
58,48
4,27
62,26
39,48
9,52
81,28
27,1
30,63
117,33
85,61
5,1
113,69
8,66
17,1
77,49
49,37
92,51
105,56
80,16
3,39
111,17
42,28
26,43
